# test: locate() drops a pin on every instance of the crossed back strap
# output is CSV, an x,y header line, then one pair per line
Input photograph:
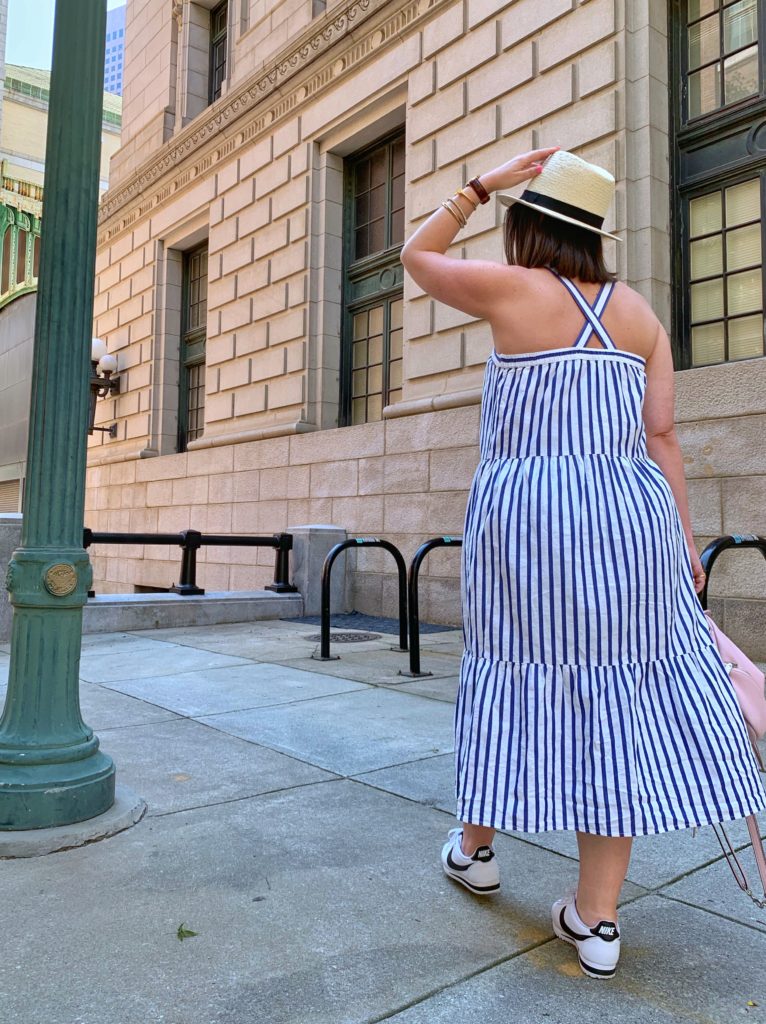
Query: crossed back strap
x,y
592,313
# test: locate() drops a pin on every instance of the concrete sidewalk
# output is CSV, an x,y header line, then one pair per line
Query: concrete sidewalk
x,y
296,813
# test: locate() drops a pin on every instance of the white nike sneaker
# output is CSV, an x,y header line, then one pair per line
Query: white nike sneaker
x,y
598,948
478,873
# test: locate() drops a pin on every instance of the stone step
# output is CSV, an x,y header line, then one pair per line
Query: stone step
x,y
109,613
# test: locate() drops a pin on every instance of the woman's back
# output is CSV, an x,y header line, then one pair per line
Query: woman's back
x,y
540,315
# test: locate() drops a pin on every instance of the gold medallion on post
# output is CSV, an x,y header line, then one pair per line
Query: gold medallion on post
x,y
60,579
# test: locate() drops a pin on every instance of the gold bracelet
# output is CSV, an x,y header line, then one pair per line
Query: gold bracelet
x,y
467,194
449,210
458,210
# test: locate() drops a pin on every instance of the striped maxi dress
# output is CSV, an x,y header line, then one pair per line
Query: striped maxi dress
x,y
591,696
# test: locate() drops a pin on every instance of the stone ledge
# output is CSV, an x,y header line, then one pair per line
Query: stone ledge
x,y
109,613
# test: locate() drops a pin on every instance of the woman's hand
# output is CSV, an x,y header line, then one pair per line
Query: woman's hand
x,y
520,168
698,573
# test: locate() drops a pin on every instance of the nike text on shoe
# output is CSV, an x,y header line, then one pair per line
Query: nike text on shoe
x,y
598,948
478,873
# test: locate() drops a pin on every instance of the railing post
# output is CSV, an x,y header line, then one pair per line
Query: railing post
x,y
190,544
281,584
414,599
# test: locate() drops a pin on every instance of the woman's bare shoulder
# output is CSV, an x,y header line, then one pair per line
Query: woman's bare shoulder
x,y
638,323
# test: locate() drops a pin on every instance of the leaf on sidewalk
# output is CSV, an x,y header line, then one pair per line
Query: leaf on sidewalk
x,y
184,933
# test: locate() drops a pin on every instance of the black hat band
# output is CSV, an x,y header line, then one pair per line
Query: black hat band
x,y
566,209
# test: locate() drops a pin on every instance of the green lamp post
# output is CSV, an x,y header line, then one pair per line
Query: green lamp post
x,y
51,769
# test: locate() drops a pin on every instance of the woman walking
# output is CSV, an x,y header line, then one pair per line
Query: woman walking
x,y
591,696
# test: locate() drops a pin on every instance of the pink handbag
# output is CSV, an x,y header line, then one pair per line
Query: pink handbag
x,y
748,683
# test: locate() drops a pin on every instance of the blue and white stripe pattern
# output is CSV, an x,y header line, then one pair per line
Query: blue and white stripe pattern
x,y
591,695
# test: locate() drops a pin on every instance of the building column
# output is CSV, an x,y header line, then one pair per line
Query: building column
x,y
51,769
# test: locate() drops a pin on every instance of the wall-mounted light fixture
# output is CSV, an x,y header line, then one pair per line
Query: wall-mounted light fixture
x,y
102,384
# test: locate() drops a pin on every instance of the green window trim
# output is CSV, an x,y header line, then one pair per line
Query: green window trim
x,y
191,404
373,280
19,253
219,26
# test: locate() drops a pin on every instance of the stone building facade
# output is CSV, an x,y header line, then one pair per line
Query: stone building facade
x,y
276,366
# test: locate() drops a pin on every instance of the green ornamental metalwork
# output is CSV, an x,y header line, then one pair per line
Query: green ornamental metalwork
x,y
19,253
51,769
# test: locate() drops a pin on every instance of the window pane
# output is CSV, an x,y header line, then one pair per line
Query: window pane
x,y
740,73
705,90
705,214
377,236
376,350
707,300
375,379
706,258
360,326
397,227
360,354
740,25
378,167
374,408
362,242
21,258
698,8
359,383
743,202
376,320
395,345
395,374
358,410
707,344
743,292
743,247
397,307
362,208
746,337
704,42
377,202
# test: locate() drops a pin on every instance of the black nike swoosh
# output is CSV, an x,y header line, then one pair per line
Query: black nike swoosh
x,y
454,866
568,930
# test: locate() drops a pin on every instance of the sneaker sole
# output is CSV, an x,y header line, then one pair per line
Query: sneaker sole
x,y
599,973
476,889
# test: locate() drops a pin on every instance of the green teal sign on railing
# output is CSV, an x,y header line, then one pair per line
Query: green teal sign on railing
x,y
20,212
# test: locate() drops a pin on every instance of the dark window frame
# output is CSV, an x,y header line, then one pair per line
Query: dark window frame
x,y
712,151
218,45
358,292
192,349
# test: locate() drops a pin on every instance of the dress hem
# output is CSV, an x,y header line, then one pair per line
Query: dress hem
x,y
614,834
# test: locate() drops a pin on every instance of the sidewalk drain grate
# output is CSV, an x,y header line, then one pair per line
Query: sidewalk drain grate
x,y
344,638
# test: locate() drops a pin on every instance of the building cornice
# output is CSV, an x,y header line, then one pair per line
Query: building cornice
x,y
244,113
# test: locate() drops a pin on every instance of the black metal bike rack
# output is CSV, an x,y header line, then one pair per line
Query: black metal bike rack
x,y
190,541
720,544
413,599
332,554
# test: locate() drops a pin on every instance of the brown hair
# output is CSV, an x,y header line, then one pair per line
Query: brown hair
x,y
535,239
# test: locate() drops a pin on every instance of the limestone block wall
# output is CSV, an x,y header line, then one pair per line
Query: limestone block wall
x,y
471,82
721,424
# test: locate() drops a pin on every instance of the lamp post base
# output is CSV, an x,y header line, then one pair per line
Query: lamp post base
x,y
44,795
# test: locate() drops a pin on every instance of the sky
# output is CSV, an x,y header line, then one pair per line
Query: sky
x,y
30,32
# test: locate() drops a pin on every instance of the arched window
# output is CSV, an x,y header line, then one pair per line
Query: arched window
x,y
5,267
21,257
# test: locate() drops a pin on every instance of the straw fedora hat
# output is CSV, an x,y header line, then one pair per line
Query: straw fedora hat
x,y
571,190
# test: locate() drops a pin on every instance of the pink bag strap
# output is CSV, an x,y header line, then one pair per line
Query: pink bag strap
x,y
734,863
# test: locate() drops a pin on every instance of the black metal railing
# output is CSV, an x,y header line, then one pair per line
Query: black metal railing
x,y
190,541
721,544
413,599
332,554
